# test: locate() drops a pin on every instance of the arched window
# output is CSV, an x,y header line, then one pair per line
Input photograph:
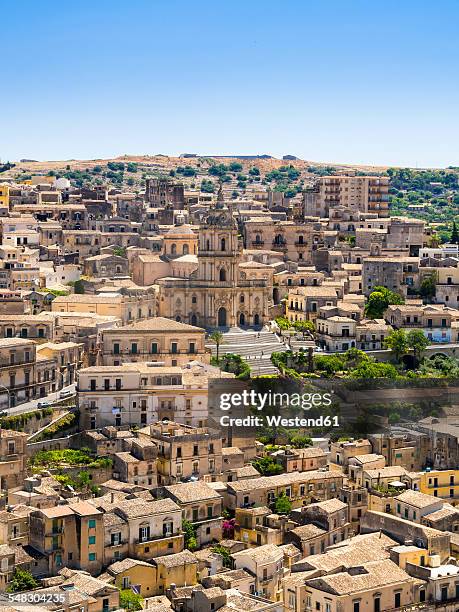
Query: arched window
x,y
185,249
173,249
241,299
222,274
258,239
207,245
223,244
300,240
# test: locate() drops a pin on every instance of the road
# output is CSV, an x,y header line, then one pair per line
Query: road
x,y
33,404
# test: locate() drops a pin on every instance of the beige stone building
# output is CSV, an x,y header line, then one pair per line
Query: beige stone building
x,y
202,506
69,536
293,240
220,293
342,452
377,585
180,240
13,458
399,274
358,193
154,527
304,303
154,340
128,308
22,375
138,394
184,451
266,563
299,487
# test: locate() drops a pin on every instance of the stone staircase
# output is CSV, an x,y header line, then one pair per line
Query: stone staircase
x,y
255,347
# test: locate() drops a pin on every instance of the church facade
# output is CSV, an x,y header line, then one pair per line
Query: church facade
x,y
224,291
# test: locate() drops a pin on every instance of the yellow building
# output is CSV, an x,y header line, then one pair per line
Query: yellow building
x,y
179,569
4,196
130,573
252,529
404,554
441,483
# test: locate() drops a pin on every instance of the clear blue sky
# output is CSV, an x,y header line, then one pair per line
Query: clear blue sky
x,y
372,81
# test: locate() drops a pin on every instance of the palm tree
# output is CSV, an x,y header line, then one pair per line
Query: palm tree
x,y
217,339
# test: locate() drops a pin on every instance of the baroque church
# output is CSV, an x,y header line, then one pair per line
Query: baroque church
x,y
225,290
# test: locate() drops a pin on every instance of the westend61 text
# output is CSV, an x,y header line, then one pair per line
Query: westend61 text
x,y
278,421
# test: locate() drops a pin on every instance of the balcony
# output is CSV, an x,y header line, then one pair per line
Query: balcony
x,y
258,243
279,246
116,544
156,538
5,363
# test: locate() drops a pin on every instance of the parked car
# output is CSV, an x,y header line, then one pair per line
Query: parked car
x,y
65,393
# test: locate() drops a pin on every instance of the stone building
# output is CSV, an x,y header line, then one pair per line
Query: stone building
x,y
359,193
221,293
154,340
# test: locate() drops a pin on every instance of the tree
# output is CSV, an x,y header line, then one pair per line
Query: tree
x,y
267,466
354,357
189,532
282,505
235,167
130,600
22,581
329,364
374,369
231,362
379,299
217,339
120,251
304,327
283,323
428,287
224,552
455,234
418,342
397,342
300,441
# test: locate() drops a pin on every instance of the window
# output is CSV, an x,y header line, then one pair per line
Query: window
x,y
92,540
92,523
154,347
92,556
444,593
174,347
116,348
134,348
356,606
397,600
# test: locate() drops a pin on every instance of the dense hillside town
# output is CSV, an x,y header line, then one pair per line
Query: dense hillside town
x,y
131,289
